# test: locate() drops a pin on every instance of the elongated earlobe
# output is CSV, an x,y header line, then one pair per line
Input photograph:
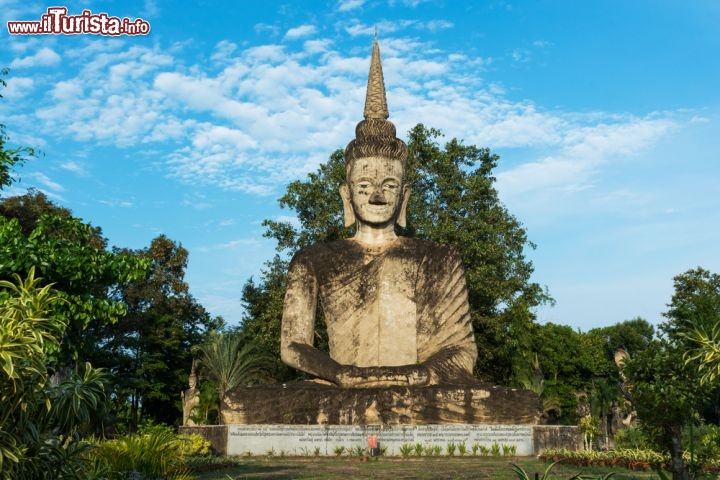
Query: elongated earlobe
x,y
348,212
402,215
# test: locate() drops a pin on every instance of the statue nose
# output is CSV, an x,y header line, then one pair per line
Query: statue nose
x,y
377,198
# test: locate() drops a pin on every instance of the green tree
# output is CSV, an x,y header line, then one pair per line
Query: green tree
x,y
632,336
263,304
695,308
695,303
664,387
148,350
453,202
666,396
73,256
570,361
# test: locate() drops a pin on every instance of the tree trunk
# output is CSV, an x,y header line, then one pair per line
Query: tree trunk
x,y
679,469
605,425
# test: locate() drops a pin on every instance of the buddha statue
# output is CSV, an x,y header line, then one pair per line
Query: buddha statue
x,y
395,308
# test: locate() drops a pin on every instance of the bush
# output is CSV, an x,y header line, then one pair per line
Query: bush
x,y
194,445
154,455
631,437
705,442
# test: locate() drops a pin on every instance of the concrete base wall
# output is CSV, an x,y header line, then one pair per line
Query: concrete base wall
x,y
556,436
304,440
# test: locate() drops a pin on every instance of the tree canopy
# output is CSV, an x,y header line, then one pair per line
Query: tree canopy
x,y
664,386
70,254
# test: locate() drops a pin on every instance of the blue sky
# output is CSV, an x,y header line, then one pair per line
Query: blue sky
x,y
606,116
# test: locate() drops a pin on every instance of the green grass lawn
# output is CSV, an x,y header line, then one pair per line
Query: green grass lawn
x,y
350,468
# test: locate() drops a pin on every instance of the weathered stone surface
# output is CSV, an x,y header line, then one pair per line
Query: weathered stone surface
x,y
396,309
557,436
323,439
190,398
402,305
307,403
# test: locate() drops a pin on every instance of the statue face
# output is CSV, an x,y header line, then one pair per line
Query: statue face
x,y
375,185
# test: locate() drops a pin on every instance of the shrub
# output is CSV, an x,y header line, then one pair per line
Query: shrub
x,y
631,437
152,455
194,445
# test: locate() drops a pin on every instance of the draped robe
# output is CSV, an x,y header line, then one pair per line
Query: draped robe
x,y
400,305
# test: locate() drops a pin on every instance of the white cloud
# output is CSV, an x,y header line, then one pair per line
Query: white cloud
x,y
347,5
521,55
238,244
266,53
266,114
150,9
18,87
300,32
581,152
223,51
44,180
408,3
542,44
117,203
264,28
67,89
215,138
19,10
383,28
316,46
45,57
75,167
436,25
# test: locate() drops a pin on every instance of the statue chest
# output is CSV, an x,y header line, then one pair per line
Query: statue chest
x,y
371,313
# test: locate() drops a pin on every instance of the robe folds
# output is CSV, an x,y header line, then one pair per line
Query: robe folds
x,y
403,304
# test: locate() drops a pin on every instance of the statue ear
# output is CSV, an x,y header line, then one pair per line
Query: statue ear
x,y
402,215
348,212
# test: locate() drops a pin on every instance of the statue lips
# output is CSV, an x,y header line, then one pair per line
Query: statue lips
x,y
374,214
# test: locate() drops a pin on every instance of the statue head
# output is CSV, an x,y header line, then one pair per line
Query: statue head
x,y
375,191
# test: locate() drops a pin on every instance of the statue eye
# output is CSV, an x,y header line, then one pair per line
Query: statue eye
x,y
392,186
363,185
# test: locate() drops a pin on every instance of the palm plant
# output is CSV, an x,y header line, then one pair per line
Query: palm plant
x,y
706,353
229,361
604,394
26,337
536,383
38,421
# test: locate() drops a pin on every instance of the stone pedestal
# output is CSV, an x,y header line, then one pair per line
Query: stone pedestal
x,y
308,403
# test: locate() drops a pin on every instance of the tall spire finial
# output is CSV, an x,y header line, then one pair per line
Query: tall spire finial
x,y
375,100
375,136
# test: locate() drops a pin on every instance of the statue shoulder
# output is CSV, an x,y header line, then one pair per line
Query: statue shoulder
x,y
430,249
320,252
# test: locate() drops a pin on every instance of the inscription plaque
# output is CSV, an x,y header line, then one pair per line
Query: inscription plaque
x,y
309,439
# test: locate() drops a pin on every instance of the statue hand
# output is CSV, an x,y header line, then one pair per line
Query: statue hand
x,y
367,377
